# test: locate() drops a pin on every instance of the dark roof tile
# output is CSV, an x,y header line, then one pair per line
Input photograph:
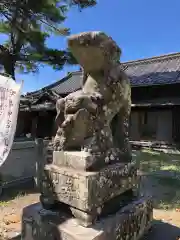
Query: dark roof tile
x,y
157,70
70,85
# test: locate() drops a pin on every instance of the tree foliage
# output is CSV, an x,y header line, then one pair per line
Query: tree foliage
x,y
28,24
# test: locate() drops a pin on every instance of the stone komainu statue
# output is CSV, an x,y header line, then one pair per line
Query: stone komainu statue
x,y
96,118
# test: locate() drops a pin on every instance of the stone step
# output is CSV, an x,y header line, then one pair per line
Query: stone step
x,y
130,223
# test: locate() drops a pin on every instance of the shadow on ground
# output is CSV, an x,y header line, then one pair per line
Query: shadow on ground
x,y
161,230
165,192
157,161
160,177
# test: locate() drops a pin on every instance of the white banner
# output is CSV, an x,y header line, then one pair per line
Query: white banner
x,y
10,93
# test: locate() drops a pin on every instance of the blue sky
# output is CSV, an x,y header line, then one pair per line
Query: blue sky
x,y
142,28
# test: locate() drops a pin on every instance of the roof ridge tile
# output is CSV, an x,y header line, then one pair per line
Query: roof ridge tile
x,y
153,59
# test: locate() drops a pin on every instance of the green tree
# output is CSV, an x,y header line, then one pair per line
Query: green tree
x,y
28,24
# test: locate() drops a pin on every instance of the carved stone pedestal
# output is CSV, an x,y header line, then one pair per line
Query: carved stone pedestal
x,y
87,194
130,222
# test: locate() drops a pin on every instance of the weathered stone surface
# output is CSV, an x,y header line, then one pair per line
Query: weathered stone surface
x,y
88,191
80,160
95,119
99,47
129,223
87,219
110,207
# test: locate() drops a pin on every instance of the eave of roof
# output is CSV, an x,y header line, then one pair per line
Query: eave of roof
x,y
158,70
50,86
157,102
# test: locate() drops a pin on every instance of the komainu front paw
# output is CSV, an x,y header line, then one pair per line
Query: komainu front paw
x,y
97,97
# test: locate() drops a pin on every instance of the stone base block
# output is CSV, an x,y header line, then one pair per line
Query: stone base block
x,y
87,219
130,222
77,160
85,161
87,191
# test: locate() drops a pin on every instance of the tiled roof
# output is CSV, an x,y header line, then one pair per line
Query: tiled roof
x,y
146,72
70,83
155,71
74,82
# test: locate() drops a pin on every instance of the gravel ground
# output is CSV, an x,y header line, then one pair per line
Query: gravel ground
x,y
10,217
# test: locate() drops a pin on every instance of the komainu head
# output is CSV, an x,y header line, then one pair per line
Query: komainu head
x,y
94,50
